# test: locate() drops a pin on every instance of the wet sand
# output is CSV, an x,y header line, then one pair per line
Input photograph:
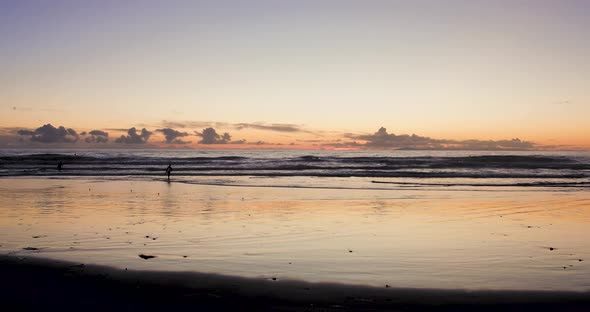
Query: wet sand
x,y
34,284
72,243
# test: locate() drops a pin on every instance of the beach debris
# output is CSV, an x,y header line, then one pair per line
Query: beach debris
x,y
30,248
350,250
580,260
39,236
184,256
274,278
387,286
146,257
551,248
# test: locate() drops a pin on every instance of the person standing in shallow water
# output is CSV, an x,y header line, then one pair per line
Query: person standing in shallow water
x,y
59,165
168,171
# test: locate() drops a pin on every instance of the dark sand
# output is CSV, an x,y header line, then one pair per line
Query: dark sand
x,y
39,284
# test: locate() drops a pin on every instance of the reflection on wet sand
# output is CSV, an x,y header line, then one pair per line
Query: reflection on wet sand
x,y
401,238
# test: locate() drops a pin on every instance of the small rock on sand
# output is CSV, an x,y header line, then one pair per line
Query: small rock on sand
x,y
146,257
30,248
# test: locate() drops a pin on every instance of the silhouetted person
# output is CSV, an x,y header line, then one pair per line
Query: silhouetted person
x,y
59,165
168,171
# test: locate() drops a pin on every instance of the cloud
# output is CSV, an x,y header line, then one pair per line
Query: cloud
x,y
272,127
210,136
133,138
194,124
97,136
383,139
515,144
50,134
277,127
172,136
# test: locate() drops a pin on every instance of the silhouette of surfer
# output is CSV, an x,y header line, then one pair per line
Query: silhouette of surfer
x,y
168,171
59,165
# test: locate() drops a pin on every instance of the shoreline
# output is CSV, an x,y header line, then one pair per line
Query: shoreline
x,y
32,283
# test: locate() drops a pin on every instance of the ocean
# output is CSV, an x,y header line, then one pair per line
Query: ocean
x,y
354,169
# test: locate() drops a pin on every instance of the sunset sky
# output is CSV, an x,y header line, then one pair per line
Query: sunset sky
x,y
297,73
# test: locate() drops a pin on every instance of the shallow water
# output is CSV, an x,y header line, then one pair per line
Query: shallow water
x,y
474,238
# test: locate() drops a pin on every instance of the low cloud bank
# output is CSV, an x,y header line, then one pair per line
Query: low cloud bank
x,y
97,136
383,139
173,136
133,137
50,134
210,136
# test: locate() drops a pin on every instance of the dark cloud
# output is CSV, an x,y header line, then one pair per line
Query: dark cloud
x,y
117,129
210,136
51,134
97,136
272,127
194,124
383,139
133,138
98,133
277,127
25,132
172,136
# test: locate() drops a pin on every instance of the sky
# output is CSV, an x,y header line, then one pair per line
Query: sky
x,y
309,74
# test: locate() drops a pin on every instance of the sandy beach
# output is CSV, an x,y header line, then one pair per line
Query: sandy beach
x,y
151,244
73,286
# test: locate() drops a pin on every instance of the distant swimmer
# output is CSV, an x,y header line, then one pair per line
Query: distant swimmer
x,y
59,165
168,171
